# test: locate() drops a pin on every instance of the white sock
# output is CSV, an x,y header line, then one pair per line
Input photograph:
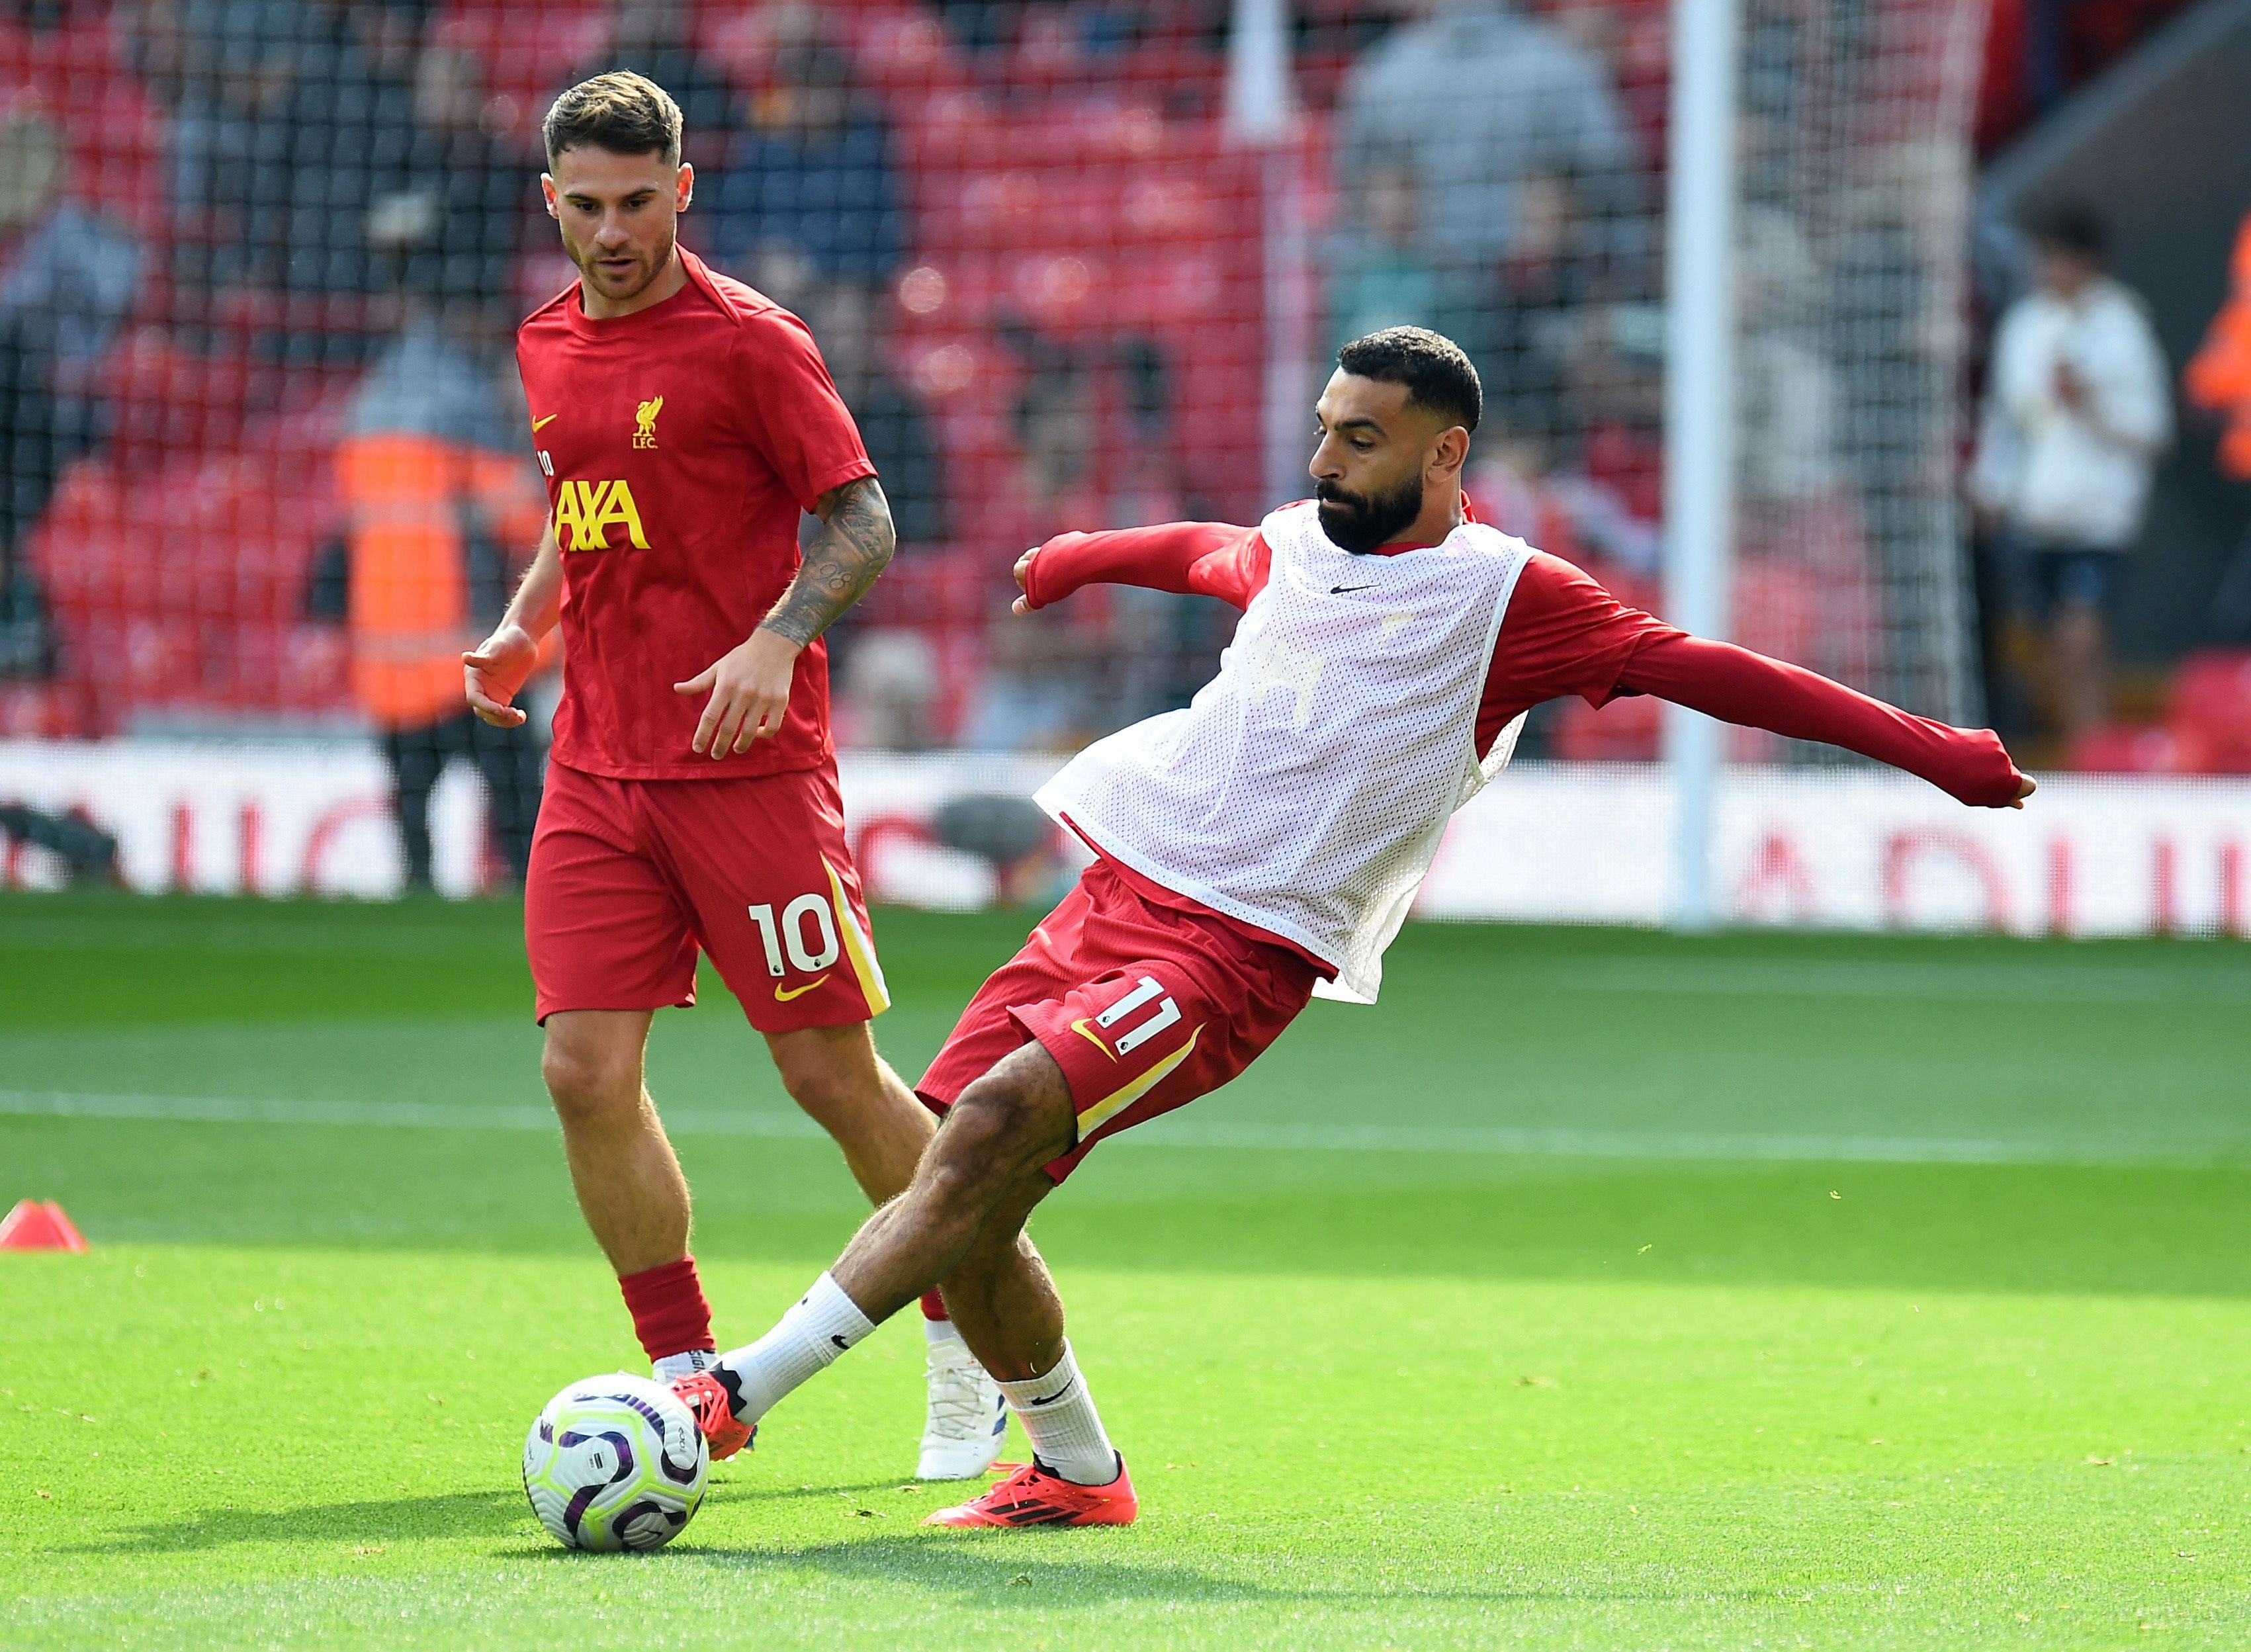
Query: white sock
x,y
1058,1414
684,1365
823,1324
935,1331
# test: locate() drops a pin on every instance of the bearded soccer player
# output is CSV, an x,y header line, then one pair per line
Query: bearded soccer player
x,y
1258,847
684,421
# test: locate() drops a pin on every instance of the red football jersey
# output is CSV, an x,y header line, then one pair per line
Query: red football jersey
x,y
681,444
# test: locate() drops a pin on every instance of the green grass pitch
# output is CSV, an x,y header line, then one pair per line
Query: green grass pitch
x,y
1596,1289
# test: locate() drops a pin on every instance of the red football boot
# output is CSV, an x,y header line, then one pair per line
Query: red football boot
x,y
706,1398
1033,1496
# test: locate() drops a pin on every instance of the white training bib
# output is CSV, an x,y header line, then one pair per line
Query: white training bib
x,y
1306,787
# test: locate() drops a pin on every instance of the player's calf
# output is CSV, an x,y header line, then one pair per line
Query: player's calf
x,y
1003,1127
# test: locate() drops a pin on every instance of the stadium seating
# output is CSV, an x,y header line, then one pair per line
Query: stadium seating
x,y
1068,192
174,559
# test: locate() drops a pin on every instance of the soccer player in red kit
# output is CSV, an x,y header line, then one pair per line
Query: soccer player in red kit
x,y
1260,845
683,423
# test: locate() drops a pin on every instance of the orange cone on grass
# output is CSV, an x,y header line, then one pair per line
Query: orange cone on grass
x,y
39,1223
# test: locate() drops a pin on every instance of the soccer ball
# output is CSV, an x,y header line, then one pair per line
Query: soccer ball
x,y
615,1463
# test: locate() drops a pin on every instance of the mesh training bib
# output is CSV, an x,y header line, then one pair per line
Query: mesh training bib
x,y
1306,787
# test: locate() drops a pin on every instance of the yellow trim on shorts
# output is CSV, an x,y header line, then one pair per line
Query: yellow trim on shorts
x,y
1117,1101
857,946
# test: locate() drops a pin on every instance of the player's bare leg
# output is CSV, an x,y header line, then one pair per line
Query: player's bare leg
x,y
622,1166
1010,1123
961,1221
1004,1301
1009,1311
628,1179
836,1076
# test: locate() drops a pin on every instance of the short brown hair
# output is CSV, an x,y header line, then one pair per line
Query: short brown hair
x,y
622,112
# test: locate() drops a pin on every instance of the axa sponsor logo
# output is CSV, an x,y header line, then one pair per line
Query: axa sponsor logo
x,y
584,513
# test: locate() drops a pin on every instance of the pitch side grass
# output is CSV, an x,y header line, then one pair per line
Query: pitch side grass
x,y
1596,1289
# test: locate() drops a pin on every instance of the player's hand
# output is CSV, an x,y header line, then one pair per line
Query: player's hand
x,y
749,687
2026,786
1023,603
493,670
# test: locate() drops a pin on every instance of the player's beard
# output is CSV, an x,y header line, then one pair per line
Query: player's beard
x,y
634,282
1359,522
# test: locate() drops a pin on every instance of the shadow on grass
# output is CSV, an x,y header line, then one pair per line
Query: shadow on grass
x,y
495,1513
1041,1571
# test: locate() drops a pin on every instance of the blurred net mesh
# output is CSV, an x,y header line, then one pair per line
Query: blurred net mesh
x,y
259,263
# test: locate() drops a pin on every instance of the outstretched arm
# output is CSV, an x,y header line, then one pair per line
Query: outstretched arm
x,y
1737,685
1564,635
749,685
1202,559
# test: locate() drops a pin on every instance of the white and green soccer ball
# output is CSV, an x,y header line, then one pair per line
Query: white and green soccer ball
x,y
615,1463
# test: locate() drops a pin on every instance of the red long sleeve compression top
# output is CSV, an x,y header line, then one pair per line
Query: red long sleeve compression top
x,y
1565,634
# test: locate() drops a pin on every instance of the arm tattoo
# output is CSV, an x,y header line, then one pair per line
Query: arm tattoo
x,y
852,548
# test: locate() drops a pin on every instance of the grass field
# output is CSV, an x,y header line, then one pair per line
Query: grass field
x,y
1597,1290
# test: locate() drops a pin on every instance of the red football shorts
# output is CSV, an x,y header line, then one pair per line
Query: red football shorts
x,y
1143,1006
630,877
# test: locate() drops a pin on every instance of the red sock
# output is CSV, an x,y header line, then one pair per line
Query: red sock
x,y
933,1307
669,1314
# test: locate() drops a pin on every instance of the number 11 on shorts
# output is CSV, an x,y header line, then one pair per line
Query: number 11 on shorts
x,y
790,932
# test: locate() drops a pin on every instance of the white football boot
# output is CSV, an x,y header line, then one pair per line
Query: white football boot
x,y
967,1415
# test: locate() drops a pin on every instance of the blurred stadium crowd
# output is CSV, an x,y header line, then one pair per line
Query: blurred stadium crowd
x,y
260,261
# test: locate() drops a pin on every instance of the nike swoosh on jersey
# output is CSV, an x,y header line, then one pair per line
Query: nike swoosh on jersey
x,y
1092,1037
783,994
1334,590
538,425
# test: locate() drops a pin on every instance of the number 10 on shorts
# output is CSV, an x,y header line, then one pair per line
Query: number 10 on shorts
x,y
790,933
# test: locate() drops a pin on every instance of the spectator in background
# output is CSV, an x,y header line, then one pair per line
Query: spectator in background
x,y
1039,686
452,226
1520,98
847,318
812,168
353,127
2217,379
67,280
652,38
231,167
442,509
2077,412
888,675
1379,277
1528,306
1806,587
1095,437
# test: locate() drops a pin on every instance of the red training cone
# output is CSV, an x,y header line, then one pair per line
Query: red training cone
x,y
39,1223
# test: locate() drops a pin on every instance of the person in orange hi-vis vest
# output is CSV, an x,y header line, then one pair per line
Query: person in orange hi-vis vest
x,y
432,480
2217,379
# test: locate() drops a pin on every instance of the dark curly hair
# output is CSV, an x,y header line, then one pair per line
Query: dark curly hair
x,y
1437,376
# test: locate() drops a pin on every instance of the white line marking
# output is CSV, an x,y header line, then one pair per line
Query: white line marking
x,y
1970,983
1349,1138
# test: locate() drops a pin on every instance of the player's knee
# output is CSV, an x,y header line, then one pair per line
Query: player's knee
x,y
990,1134
588,1085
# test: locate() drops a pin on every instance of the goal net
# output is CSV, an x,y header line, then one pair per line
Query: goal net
x,y
1071,266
